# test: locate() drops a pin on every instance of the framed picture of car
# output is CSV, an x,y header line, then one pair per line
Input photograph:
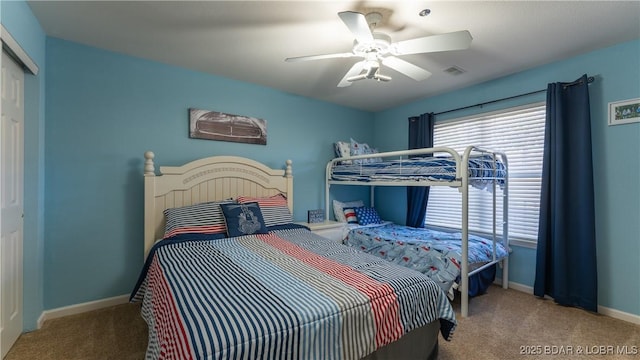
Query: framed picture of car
x,y
214,125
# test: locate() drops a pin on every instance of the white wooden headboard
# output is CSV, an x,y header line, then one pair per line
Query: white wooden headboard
x,y
208,179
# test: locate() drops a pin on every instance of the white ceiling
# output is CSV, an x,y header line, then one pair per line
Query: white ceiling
x,y
249,40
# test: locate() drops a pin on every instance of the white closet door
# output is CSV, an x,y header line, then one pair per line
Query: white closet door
x,y
11,201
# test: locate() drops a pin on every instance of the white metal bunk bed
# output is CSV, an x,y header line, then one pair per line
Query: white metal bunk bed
x,y
454,172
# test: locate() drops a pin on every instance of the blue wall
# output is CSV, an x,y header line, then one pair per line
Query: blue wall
x,y
17,18
616,155
104,110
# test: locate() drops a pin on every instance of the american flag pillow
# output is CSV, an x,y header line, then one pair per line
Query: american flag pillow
x,y
275,209
350,215
204,218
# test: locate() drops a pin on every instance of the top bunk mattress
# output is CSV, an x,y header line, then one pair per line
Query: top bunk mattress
x,y
482,171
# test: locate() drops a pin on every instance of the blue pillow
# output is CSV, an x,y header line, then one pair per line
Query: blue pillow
x,y
243,219
367,215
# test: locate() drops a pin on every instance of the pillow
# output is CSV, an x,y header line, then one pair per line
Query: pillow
x,y
350,215
363,149
338,208
342,149
367,215
204,218
275,209
243,219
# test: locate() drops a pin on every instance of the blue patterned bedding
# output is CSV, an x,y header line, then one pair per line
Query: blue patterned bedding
x,y
481,170
434,253
288,294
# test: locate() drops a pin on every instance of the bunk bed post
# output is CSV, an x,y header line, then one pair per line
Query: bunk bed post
x,y
505,223
372,197
327,184
326,202
463,165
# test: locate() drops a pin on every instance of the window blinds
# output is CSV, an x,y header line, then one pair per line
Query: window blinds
x,y
518,132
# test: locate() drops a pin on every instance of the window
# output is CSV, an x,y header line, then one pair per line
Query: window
x,y
518,132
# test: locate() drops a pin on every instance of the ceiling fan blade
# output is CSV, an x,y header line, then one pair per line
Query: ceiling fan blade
x,y
319,57
357,24
458,40
407,68
355,70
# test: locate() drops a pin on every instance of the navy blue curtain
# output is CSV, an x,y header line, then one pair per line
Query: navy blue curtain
x,y
566,255
420,136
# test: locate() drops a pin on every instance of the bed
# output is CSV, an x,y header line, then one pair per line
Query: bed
x,y
431,252
276,290
443,255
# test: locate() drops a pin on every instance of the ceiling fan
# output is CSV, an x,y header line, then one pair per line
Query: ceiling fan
x,y
376,49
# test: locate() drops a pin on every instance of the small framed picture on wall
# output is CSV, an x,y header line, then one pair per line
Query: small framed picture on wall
x,y
624,112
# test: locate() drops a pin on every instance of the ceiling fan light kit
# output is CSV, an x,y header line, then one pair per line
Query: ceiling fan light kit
x,y
377,49
371,71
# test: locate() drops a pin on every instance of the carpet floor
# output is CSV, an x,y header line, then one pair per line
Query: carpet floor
x,y
503,324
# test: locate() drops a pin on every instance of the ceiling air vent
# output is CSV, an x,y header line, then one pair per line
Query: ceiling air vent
x,y
454,70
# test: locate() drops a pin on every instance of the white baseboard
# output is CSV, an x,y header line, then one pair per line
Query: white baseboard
x,y
123,299
80,308
616,314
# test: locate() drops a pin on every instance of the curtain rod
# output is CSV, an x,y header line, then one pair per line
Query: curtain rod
x,y
590,79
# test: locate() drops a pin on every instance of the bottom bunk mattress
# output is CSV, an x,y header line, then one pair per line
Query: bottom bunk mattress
x,y
437,254
287,294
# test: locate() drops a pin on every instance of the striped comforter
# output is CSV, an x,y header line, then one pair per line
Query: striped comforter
x,y
481,170
289,294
